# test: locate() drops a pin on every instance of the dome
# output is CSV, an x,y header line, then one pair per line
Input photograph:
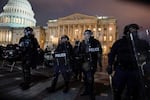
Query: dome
x,y
17,13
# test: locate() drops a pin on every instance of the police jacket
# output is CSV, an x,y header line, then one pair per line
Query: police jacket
x,y
29,45
77,52
91,51
122,53
63,53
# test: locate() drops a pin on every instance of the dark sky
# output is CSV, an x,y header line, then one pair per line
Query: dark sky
x,y
125,11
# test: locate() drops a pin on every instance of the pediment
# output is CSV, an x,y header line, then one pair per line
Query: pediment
x,y
77,16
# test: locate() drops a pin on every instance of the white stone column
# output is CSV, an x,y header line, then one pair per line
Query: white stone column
x,y
58,34
68,30
90,27
84,27
63,27
96,31
73,34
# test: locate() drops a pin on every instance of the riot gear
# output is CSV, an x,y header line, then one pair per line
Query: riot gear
x,y
127,73
78,60
29,46
62,64
91,53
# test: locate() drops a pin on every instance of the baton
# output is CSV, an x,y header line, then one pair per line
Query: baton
x,y
110,81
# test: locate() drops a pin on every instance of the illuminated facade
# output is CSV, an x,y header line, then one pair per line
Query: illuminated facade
x,y
5,35
104,29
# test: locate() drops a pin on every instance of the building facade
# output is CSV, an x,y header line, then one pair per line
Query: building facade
x,y
5,35
104,29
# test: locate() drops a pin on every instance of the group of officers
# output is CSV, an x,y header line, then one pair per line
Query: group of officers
x,y
86,56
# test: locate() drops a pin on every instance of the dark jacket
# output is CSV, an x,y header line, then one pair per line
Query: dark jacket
x,y
91,51
63,48
122,53
29,46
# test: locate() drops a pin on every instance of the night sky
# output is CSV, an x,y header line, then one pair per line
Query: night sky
x,y
125,11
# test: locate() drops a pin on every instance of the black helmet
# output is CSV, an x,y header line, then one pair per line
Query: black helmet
x,y
88,32
135,26
126,30
65,36
28,31
76,42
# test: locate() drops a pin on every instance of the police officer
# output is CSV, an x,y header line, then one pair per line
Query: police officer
x,y
77,61
91,54
62,63
122,59
29,46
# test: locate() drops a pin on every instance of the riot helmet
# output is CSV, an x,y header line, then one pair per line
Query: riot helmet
x,y
134,26
64,38
132,29
87,34
77,43
28,31
126,30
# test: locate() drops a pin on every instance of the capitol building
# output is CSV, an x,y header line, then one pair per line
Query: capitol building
x,y
18,14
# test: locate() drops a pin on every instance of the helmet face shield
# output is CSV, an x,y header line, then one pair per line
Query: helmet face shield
x,y
87,34
28,31
64,38
134,26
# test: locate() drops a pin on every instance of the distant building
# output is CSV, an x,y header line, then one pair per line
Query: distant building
x,y
103,27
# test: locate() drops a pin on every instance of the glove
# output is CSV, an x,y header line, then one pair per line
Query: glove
x,y
109,70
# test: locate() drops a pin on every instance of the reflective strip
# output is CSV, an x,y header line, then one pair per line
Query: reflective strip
x,y
60,55
11,52
93,49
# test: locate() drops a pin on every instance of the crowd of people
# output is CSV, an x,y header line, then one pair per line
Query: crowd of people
x,y
127,60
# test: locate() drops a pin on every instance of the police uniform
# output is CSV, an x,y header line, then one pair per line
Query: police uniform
x,y
28,45
77,61
62,56
122,57
91,54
